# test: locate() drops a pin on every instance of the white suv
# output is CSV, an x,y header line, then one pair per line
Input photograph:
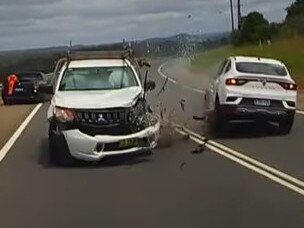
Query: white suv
x,y
252,88
99,109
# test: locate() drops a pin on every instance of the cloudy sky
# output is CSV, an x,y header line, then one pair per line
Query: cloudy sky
x,y
42,23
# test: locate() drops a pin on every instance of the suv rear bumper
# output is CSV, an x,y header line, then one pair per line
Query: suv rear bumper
x,y
243,112
89,148
25,98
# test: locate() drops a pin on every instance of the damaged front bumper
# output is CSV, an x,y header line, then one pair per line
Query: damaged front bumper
x,y
94,148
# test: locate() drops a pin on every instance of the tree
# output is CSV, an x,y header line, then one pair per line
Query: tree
x,y
296,9
294,23
254,28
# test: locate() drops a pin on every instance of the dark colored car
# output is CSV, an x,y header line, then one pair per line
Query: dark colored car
x,y
25,88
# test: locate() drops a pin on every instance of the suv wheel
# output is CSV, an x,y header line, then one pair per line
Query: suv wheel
x,y
58,150
6,102
286,125
218,120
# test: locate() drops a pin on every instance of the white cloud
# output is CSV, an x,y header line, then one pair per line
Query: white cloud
x,y
35,23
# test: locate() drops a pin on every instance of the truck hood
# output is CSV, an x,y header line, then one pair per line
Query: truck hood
x,y
96,99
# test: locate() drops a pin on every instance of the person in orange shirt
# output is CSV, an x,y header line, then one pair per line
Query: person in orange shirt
x,y
12,80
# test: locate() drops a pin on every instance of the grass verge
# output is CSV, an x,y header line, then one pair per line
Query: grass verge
x,y
290,51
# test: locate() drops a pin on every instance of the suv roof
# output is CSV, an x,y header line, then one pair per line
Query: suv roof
x,y
256,60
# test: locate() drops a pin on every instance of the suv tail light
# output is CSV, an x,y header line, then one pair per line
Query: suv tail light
x,y
289,86
236,81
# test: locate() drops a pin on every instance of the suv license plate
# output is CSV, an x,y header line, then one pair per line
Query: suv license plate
x,y
128,143
266,103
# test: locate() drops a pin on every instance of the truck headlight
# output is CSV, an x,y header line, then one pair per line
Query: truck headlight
x,y
64,115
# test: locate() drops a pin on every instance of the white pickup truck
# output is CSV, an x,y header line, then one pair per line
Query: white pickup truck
x,y
99,108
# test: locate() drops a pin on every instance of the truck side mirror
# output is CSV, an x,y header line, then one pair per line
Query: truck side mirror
x,y
46,89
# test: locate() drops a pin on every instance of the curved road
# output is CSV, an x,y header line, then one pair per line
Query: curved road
x,y
180,185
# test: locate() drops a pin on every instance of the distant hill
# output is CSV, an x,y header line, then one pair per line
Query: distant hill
x,y
174,38
43,59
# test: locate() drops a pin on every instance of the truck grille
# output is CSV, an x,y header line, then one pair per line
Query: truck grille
x,y
104,130
103,117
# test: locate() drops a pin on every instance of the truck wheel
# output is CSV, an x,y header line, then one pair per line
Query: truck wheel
x,y
286,125
58,150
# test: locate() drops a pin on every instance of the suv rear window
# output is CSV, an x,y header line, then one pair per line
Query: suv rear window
x,y
261,68
24,77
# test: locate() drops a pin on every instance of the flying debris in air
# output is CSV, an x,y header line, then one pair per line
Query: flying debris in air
x,y
149,109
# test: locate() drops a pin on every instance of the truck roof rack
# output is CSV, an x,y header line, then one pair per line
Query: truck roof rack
x,y
87,55
90,55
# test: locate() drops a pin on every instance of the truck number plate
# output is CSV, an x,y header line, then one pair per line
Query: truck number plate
x,y
128,143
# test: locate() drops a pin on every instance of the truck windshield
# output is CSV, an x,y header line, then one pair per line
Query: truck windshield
x,y
99,78
261,68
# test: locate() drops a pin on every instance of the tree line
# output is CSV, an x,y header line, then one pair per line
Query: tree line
x,y
255,28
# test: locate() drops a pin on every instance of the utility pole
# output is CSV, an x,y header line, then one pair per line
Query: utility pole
x,y
70,47
239,14
232,15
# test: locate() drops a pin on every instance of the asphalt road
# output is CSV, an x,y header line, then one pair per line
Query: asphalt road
x,y
10,119
171,188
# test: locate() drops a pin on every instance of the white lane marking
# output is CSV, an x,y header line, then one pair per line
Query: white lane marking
x,y
300,112
16,135
246,164
248,159
176,82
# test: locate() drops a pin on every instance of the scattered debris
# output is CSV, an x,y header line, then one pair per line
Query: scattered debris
x,y
186,137
182,104
163,87
161,115
199,118
149,109
199,150
182,165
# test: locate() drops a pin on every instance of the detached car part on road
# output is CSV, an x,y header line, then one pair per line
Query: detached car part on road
x,y
22,87
252,88
99,109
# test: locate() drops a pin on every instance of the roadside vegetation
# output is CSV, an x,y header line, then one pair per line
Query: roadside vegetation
x,y
290,51
258,37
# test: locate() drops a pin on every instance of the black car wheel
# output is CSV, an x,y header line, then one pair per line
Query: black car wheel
x,y
58,150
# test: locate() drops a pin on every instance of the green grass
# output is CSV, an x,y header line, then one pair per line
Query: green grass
x,y
290,51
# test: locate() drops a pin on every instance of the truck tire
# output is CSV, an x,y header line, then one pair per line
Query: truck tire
x,y
58,150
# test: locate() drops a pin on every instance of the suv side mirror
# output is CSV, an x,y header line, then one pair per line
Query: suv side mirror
x,y
150,85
